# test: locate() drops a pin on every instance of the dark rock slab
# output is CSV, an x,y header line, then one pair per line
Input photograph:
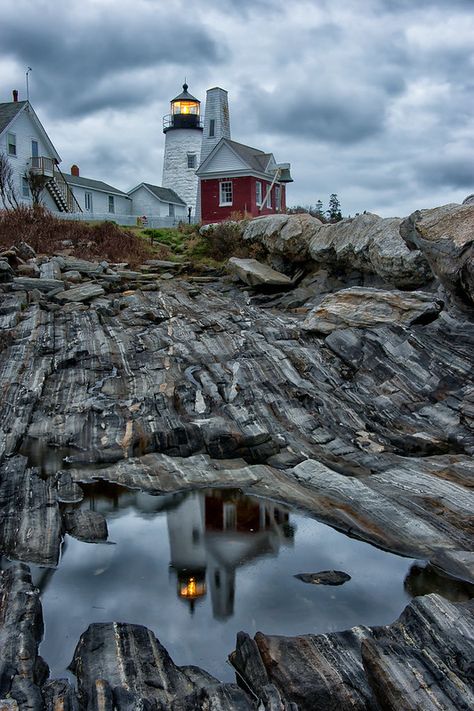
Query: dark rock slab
x,y
43,285
50,269
6,272
127,668
255,273
89,526
30,521
22,671
68,491
81,265
422,661
324,577
84,292
59,695
459,563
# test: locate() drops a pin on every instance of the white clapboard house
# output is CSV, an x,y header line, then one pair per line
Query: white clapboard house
x,y
25,143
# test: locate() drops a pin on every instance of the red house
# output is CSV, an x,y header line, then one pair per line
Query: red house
x,y
237,178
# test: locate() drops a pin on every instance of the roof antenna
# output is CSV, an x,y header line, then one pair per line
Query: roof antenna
x,y
29,69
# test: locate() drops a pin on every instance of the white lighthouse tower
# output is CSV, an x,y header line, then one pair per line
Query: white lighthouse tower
x,y
183,131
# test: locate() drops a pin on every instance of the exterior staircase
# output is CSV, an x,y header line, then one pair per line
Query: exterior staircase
x,y
56,185
61,194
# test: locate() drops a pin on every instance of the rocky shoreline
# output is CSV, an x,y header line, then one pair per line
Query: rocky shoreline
x,y
346,389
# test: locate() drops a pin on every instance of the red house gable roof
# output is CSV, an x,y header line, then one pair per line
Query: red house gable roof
x,y
237,159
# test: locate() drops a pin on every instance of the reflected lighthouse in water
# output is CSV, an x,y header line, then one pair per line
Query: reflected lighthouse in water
x,y
213,533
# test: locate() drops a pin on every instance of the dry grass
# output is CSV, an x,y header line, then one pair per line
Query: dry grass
x,y
48,234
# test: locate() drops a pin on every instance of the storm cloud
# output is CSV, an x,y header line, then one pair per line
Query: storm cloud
x,y
371,100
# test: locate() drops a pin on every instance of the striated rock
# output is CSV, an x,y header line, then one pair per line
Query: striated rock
x,y
25,251
422,661
89,526
22,670
72,276
80,293
68,491
81,265
50,269
28,270
324,577
6,272
30,522
459,563
287,236
371,244
364,307
255,273
127,665
59,695
445,236
43,285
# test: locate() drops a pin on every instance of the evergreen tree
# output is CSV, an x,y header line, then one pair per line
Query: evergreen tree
x,y
334,212
319,212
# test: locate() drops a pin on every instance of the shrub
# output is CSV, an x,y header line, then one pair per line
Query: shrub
x,y
47,234
224,240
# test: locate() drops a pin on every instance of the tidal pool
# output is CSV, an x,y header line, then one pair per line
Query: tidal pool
x,y
198,567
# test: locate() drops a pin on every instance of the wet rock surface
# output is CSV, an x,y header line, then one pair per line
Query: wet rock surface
x,y
172,384
421,661
324,577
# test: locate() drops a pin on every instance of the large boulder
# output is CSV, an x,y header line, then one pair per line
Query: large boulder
x,y
445,236
255,273
287,236
360,307
371,244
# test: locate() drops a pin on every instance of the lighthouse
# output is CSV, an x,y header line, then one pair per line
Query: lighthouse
x,y
183,130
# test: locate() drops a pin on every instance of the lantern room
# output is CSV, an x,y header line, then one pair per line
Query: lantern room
x,y
185,112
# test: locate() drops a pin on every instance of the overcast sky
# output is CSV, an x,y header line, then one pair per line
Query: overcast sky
x,y
370,99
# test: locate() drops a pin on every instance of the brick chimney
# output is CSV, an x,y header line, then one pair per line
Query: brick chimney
x,y
15,95
75,170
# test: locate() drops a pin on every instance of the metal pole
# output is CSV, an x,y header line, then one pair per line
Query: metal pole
x,y
28,70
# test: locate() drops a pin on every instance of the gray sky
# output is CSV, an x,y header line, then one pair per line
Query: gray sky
x,y
371,99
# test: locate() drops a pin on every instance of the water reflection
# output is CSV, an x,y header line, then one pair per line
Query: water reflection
x,y
227,558
211,534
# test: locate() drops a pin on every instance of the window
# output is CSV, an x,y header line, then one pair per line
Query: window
x,y
277,197
229,515
88,202
111,203
34,149
11,144
212,128
225,193
25,188
269,197
170,210
258,192
191,160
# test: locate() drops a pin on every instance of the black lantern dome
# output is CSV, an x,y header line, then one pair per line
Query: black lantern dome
x,y
185,112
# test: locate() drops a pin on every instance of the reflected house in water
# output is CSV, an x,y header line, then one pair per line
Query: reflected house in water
x,y
213,533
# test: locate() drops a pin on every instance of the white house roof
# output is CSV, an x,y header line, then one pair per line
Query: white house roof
x,y
10,110
238,157
93,185
162,194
